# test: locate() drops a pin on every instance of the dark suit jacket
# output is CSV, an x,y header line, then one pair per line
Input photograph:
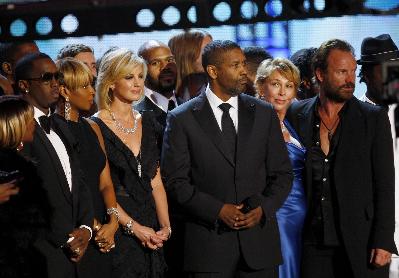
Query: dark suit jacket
x,y
69,209
201,176
363,173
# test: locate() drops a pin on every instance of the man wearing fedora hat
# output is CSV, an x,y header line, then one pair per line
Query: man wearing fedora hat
x,y
374,52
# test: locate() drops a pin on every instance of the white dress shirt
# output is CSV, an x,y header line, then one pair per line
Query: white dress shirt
x,y
215,101
59,147
394,267
159,100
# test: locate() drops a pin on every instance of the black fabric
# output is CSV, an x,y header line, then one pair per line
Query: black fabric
x,y
228,129
45,123
171,105
69,209
23,220
92,161
363,176
201,177
325,262
322,218
134,195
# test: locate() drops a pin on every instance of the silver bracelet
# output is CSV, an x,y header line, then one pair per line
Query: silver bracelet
x,y
111,211
128,228
170,231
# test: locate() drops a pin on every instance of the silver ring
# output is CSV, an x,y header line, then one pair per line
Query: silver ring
x,y
77,251
112,246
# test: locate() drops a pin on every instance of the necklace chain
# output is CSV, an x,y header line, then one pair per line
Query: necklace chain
x,y
121,127
329,130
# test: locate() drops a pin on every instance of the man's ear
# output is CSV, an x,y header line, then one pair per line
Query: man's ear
x,y
212,71
24,86
6,67
319,74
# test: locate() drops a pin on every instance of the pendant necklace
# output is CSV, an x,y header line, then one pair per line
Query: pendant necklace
x,y
138,160
329,130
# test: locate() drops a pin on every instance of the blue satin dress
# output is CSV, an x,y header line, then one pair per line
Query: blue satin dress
x,y
291,215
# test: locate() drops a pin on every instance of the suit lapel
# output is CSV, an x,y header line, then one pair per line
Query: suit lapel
x,y
305,132
62,180
246,115
305,123
351,139
206,119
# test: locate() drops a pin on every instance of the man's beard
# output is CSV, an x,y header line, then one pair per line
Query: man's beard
x,y
160,86
336,95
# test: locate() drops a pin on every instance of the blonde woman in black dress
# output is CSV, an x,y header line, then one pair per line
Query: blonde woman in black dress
x,y
130,142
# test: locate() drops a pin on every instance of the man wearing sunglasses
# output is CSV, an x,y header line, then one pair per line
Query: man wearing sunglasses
x,y
54,149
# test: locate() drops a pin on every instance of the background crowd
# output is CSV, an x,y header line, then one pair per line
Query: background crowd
x,y
260,166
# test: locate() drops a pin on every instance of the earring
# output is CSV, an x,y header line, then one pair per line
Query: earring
x,y
20,146
67,109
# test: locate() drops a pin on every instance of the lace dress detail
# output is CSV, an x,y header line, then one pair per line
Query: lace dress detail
x,y
134,194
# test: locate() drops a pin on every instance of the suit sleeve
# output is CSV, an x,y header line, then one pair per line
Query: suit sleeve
x,y
85,208
175,167
383,186
278,171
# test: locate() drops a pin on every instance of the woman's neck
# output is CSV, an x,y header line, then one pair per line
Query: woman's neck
x,y
122,109
281,115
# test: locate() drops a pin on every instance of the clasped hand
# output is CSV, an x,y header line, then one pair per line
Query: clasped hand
x,y
77,247
149,238
235,219
104,235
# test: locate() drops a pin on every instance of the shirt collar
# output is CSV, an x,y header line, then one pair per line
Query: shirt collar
x,y
158,99
38,113
215,101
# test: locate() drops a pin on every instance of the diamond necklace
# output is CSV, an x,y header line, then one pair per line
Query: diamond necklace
x,y
121,127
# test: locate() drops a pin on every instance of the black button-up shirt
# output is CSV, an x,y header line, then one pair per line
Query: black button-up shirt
x,y
322,228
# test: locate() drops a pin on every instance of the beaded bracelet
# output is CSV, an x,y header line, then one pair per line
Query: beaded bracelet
x,y
128,228
111,211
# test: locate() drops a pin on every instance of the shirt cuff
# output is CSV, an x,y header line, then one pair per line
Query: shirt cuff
x,y
90,230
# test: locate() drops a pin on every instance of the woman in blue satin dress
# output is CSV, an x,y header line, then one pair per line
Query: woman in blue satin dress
x,y
277,81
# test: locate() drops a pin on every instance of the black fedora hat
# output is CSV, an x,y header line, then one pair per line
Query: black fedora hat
x,y
378,50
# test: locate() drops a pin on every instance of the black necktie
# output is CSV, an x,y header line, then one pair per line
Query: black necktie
x,y
171,105
228,129
45,123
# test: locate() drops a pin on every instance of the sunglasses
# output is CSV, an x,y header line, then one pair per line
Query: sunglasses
x,y
47,77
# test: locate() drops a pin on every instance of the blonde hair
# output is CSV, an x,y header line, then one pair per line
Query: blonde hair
x,y
75,73
115,65
15,116
186,47
284,66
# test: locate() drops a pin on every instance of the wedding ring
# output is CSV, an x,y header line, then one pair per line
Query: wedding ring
x,y
112,246
100,244
77,251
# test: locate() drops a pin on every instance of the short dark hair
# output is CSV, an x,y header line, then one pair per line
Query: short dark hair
x,y
71,50
321,55
24,66
9,50
213,52
255,55
302,59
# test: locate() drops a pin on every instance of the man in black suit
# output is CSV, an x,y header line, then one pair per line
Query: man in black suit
x,y
160,83
54,150
225,163
349,173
